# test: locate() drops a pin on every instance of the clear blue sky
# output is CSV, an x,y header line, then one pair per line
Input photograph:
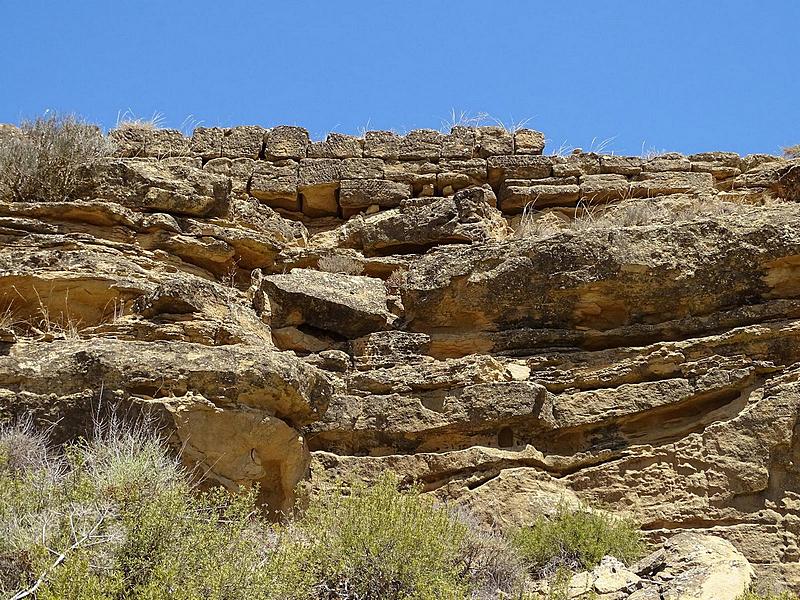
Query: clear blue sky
x,y
670,75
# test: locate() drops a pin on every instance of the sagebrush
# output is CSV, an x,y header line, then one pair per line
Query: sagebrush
x,y
576,539
41,161
118,517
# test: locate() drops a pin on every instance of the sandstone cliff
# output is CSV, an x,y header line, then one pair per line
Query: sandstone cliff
x,y
507,327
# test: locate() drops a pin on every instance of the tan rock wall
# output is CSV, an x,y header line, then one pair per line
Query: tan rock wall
x,y
309,310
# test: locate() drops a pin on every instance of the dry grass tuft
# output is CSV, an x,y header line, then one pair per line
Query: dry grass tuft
x,y
343,265
613,216
128,120
792,151
396,280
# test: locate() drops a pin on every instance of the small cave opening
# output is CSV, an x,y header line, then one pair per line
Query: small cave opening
x,y
505,437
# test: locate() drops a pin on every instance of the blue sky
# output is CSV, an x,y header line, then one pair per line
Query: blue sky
x,y
666,75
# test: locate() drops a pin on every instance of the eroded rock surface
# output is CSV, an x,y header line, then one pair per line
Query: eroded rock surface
x,y
689,567
509,329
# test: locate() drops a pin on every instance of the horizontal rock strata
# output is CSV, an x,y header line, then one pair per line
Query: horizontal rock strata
x,y
505,327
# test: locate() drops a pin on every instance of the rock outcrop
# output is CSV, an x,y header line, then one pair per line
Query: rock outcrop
x,y
507,328
689,567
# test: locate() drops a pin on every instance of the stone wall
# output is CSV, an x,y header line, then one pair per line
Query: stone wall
x,y
344,175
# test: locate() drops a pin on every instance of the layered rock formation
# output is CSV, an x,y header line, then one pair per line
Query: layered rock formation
x,y
506,327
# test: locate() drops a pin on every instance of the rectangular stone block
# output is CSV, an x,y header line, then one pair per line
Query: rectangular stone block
x,y
449,182
604,187
140,142
361,193
239,170
671,182
421,144
319,200
474,168
318,181
413,172
319,171
514,198
576,165
719,171
494,141
459,143
285,141
207,142
361,168
729,159
336,145
671,161
243,142
518,167
621,165
275,183
457,174
528,141
382,144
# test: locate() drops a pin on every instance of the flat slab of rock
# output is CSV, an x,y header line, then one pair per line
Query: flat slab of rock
x,y
348,305
469,216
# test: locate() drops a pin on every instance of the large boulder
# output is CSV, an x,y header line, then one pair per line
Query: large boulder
x,y
233,410
347,305
606,278
421,223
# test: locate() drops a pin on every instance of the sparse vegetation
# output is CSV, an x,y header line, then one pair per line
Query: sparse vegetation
x,y
779,596
629,212
129,120
344,265
396,280
41,161
117,516
792,151
576,539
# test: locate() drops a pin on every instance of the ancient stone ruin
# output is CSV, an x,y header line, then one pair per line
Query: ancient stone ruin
x,y
508,327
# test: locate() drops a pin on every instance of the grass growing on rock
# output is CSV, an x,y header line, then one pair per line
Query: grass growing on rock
x,y
117,517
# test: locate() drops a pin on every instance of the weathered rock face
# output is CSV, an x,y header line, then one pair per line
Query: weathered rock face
x,y
689,567
632,340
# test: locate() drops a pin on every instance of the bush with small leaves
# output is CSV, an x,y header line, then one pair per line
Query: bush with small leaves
x,y
117,517
41,161
377,543
576,540
22,447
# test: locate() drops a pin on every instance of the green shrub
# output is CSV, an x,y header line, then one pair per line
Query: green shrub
x,y
117,517
120,519
377,543
576,540
41,160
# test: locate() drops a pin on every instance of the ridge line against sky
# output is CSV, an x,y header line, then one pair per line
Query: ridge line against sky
x,y
684,76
